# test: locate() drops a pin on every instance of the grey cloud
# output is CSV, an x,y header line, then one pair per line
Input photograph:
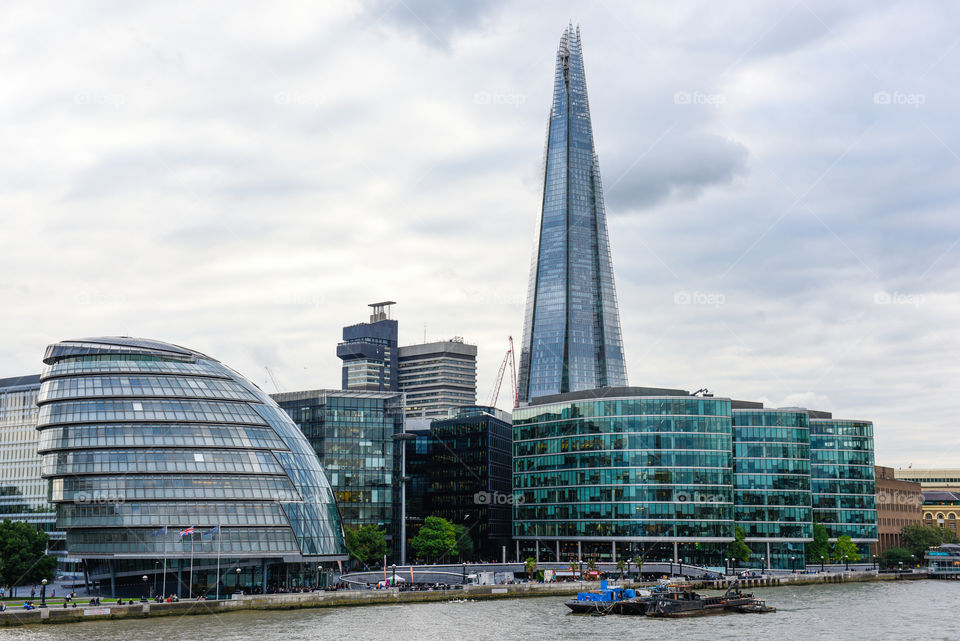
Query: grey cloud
x,y
434,22
681,165
340,162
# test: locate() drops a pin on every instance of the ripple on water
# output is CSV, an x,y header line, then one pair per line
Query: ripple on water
x,y
903,610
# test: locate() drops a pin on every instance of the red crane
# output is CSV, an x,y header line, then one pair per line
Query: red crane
x,y
510,358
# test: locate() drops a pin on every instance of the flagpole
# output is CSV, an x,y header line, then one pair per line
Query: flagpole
x,y
163,595
219,540
190,593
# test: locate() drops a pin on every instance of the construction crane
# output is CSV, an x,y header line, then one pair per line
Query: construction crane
x,y
511,359
273,379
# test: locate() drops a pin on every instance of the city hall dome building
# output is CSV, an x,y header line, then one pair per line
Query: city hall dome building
x,y
164,462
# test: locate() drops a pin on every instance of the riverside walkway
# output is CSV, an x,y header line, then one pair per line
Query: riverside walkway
x,y
460,573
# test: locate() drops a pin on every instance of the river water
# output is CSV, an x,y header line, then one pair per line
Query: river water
x,y
903,610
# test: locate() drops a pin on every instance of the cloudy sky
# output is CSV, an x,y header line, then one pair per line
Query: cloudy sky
x,y
781,180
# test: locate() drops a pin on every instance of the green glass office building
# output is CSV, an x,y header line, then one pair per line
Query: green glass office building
x,y
624,472
352,434
771,478
843,479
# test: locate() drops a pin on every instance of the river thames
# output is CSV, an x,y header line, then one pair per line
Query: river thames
x,y
903,610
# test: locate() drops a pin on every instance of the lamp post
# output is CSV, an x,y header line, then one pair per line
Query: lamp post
x,y
401,438
913,560
846,560
319,567
726,565
793,564
156,572
393,577
875,562
238,579
464,581
821,563
901,565
763,563
43,593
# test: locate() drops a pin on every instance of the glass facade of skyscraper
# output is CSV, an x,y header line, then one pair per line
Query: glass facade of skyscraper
x,y
649,470
772,483
660,473
571,336
352,434
141,439
843,478
23,494
460,469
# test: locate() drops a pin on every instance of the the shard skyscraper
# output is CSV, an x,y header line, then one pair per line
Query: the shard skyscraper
x,y
571,333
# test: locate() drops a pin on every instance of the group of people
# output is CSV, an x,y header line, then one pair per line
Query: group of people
x,y
285,590
415,587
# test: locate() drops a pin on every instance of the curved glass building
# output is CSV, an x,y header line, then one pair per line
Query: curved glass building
x,y
624,472
159,456
771,479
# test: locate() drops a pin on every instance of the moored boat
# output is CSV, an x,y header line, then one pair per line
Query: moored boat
x,y
757,606
602,601
687,603
621,601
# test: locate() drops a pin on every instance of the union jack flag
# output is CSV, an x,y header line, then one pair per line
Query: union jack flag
x,y
187,531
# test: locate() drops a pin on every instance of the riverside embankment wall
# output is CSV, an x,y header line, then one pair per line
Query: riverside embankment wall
x,y
355,598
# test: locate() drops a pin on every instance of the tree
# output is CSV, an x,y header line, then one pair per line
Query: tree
x,y
23,554
893,557
845,550
530,567
621,566
917,539
639,563
436,538
738,549
464,542
365,544
820,547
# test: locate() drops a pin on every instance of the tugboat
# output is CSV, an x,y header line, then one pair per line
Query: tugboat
x,y
620,601
602,601
687,603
